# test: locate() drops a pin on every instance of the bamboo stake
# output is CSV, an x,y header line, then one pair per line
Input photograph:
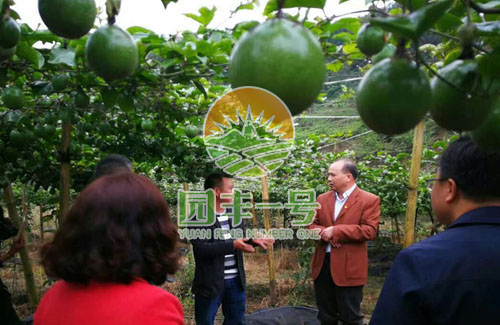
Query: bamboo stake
x,y
65,170
23,253
418,141
254,217
270,250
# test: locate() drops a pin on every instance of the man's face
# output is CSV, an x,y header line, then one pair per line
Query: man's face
x,y
338,180
226,187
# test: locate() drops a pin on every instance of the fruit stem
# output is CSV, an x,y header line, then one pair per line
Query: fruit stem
x,y
111,20
7,11
401,50
467,53
415,48
280,13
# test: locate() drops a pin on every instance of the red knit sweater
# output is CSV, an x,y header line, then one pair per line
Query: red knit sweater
x,y
108,303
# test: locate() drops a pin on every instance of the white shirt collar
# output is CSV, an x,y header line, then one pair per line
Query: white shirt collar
x,y
346,193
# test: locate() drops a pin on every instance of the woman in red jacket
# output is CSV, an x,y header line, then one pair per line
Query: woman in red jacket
x,y
116,241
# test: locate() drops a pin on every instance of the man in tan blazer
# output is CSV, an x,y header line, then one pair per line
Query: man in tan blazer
x,y
347,219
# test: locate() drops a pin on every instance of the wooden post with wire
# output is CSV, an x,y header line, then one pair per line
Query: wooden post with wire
x,y
270,250
23,253
254,217
411,209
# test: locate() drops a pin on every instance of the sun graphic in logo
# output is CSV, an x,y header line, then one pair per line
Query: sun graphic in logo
x,y
248,132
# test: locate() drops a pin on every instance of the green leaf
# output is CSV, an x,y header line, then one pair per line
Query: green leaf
x,y
44,36
205,17
448,22
414,4
113,7
25,51
335,66
14,14
246,6
205,47
452,56
490,28
489,66
62,56
126,102
350,48
139,30
345,37
272,5
200,88
109,97
415,24
350,24
491,4
167,2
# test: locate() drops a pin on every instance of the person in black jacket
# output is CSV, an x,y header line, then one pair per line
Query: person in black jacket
x,y
219,274
452,278
8,315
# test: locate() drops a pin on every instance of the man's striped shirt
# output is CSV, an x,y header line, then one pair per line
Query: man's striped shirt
x,y
230,267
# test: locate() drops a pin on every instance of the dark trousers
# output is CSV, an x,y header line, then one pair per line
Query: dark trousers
x,y
337,303
233,300
8,315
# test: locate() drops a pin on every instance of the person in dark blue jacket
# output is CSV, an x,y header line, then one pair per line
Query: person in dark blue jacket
x,y
453,277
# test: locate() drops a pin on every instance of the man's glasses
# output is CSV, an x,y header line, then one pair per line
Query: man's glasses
x,y
430,181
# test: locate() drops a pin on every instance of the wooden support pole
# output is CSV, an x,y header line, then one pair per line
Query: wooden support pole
x,y
64,202
270,250
411,208
254,217
23,253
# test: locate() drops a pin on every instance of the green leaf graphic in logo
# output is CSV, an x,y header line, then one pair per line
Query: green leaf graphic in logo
x,y
248,148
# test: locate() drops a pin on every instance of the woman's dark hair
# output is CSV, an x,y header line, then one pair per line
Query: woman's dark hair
x,y
118,229
476,172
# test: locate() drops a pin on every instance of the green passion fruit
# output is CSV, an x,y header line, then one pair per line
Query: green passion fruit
x,y
10,33
465,105
393,96
191,131
487,135
283,57
81,100
370,39
147,125
112,53
13,98
60,82
7,53
68,18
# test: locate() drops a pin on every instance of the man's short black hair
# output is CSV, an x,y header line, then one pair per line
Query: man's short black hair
x,y
476,172
350,167
112,164
215,179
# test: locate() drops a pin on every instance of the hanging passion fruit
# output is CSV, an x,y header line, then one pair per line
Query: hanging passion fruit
x,y
283,57
464,104
393,96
